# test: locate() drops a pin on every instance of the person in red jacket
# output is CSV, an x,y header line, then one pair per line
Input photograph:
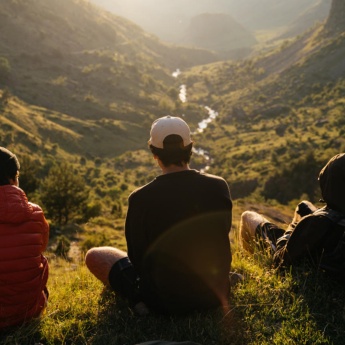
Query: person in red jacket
x,y
24,234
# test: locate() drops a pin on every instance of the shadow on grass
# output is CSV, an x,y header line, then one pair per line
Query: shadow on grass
x,y
26,334
325,299
117,324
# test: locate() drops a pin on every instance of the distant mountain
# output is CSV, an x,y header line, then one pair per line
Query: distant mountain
x,y
271,14
170,20
336,23
307,19
218,32
280,112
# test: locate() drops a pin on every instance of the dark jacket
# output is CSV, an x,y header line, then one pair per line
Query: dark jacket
x,y
316,236
177,231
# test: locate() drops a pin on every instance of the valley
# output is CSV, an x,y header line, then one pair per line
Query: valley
x,y
79,89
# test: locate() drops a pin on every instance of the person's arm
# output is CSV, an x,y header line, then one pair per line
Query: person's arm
x,y
135,232
306,239
38,215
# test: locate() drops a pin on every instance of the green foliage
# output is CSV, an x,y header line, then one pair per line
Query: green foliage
x,y
298,176
5,97
92,210
94,240
5,69
30,174
63,245
270,307
64,194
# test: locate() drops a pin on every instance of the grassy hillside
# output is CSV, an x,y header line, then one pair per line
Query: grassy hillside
x,y
34,129
83,81
74,58
88,86
280,113
71,92
275,111
299,307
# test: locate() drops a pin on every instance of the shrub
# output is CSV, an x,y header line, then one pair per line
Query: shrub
x,y
5,69
63,245
64,194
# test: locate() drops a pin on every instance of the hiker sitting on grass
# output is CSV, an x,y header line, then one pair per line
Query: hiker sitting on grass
x,y
177,232
316,234
24,234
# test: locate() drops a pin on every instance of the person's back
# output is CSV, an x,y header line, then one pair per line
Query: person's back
x,y
177,231
177,234
24,236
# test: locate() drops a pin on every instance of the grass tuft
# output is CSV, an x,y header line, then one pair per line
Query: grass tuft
x,y
270,307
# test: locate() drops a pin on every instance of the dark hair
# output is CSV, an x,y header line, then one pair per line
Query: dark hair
x,y
9,166
173,153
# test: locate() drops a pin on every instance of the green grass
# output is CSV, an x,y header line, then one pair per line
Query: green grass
x,y
270,307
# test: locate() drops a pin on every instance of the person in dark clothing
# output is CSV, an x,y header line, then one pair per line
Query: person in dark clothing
x,y
315,234
177,232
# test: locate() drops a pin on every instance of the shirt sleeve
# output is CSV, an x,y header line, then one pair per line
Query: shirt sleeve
x,y
306,241
135,233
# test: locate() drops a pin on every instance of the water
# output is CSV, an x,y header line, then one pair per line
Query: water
x,y
212,115
183,94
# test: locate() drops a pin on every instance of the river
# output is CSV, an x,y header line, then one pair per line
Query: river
x,y
202,125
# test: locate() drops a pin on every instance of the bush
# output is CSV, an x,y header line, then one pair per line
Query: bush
x,y
64,195
5,69
63,246
94,240
296,178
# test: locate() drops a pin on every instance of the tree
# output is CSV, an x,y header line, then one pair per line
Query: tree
x,y
296,178
5,97
5,69
64,194
29,174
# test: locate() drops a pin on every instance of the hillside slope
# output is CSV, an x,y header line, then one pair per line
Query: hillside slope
x,y
45,133
219,32
81,79
307,19
72,57
280,114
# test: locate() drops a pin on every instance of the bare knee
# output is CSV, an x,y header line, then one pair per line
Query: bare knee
x,y
249,222
100,260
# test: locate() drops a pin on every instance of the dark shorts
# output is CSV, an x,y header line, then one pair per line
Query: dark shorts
x,y
124,280
267,235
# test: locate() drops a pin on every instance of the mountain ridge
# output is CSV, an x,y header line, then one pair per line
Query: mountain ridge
x,y
254,15
275,109
104,101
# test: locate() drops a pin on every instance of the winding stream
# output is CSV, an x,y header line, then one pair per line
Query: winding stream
x,y
212,114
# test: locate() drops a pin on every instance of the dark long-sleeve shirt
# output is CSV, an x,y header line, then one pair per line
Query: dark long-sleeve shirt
x,y
177,232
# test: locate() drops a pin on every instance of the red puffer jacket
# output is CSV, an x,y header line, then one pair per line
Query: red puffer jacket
x,y
24,234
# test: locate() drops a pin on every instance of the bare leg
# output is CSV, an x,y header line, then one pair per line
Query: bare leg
x,y
100,260
249,222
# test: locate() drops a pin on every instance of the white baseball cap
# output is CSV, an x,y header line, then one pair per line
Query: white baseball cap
x,y
169,125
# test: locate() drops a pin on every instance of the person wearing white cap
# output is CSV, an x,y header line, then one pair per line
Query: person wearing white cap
x,y
177,232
